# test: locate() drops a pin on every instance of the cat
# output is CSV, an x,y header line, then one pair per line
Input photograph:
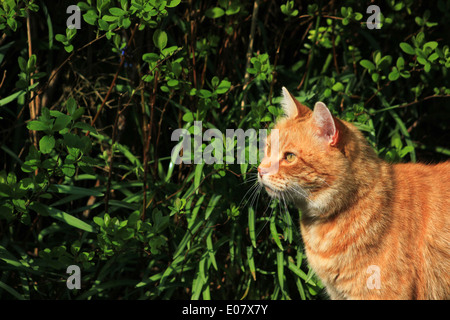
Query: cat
x,y
371,230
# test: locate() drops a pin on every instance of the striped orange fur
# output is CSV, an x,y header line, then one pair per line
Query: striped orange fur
x,y
363,220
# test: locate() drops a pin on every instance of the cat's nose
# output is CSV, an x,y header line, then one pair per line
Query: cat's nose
x,y
262,171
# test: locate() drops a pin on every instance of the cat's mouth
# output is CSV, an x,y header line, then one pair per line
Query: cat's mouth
x,y
272,191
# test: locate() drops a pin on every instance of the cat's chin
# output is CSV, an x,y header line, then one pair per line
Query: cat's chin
x,y
272,192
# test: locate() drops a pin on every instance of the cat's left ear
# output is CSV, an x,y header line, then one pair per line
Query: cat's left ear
x,y
292,107
326,124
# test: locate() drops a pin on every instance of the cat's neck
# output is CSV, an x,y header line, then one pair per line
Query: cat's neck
x,y
367,174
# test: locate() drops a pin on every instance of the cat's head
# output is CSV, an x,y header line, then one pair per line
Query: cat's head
x,y
310,166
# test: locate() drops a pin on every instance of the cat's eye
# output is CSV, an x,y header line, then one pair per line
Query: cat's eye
x,y
289,157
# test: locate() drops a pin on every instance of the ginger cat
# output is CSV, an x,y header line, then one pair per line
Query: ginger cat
x,y
371,230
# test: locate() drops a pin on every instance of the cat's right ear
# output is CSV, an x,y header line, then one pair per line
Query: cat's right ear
x,y
292,107
326,125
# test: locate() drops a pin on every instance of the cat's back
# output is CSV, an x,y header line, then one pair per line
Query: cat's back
x,y
421,207
423,187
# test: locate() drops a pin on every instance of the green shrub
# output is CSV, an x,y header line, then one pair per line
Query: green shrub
x,y
87,115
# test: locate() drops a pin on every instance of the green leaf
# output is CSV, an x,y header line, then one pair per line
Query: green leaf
x,y
375,77
77,113
117,12
172,3
16,95
400,63
274,232
22,64
235,8
433,56
338,87
405,151
31,64
422,60
90,17
215,81
68,167
160,39
85,126
59,188
62,216
198,175
188,117
7,257
203,93
46,144
172,82
103,25
367,64
251,226
251,261
296,270
431,44
99,221
419,21
407,48
405,74
223,87
209,246
280,268
61,122
12,24
69,48
211,205
126,23
214,13
394,74
384,62
150,57
37,125
71,105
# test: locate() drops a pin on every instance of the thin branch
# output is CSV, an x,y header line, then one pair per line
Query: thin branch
x,y
424,99
122,60
32,103
250,51
3,79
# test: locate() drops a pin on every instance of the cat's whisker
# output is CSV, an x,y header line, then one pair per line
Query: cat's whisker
x,y
285,203
271,213
298,190
268,206
251,178
302,192
323,180
255,192
254,188
256,195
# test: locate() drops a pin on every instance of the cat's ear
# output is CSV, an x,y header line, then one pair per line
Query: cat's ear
x,y
292,107
326,124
